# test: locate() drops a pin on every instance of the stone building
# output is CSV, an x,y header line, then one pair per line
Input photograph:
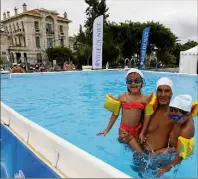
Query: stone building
x,y
31,32
3,42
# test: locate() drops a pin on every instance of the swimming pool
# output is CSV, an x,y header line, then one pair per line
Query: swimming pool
x,y
71,106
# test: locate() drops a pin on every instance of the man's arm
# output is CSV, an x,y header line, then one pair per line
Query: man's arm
x,y
144,128
146,121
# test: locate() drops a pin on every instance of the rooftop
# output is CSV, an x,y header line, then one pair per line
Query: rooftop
x,y
33,12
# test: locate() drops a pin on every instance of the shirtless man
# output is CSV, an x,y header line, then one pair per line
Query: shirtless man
x,y
159,124
17,68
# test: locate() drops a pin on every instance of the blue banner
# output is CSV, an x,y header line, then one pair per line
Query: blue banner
x,y
17,161
144,44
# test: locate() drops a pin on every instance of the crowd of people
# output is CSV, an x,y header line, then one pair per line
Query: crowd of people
x,y
40,67
153,125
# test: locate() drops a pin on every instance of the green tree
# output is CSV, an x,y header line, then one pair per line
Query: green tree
x,y
182,47
61,54
1,60
188,45
95,8
81,36
111,50
123,40
129,34
86,52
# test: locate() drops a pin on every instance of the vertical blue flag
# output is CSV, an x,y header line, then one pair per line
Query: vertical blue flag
x,y
144,44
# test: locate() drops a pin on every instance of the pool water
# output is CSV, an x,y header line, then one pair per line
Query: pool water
x,y
71,106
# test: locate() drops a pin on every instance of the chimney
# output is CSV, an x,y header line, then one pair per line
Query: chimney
x,y
15,11
65,15
24,7
8,14
4,16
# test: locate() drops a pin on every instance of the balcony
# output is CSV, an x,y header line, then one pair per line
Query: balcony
x,y
19,32
18,47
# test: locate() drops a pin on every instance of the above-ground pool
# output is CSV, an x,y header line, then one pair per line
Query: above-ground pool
x,y
17,161
71,106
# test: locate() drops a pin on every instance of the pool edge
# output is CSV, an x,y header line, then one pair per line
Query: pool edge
x,y
28,131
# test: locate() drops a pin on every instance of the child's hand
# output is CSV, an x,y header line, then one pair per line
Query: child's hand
x,y
104,132
142,137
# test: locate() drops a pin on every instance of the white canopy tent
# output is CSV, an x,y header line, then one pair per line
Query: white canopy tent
x,y
189,61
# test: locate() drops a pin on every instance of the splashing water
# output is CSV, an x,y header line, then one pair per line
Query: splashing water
x,y
19,175
147,166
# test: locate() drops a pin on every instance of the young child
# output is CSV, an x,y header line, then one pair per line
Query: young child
x,y
132,104
181,138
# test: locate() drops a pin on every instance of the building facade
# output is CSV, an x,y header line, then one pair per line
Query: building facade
x,y
4,42
31,32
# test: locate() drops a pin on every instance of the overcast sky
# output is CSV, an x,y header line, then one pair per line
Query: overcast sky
x,y
179,15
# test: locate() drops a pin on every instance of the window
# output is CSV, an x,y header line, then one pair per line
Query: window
x,y
14,28
19,41
10,29
15,41
62,42
38,42
6,28
12,42
24,41
61,29
36,26
49,42
22,25
49,28
39,56
17,26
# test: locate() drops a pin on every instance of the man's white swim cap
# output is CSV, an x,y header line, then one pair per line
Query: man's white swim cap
x,y
165,81
135,70
183,102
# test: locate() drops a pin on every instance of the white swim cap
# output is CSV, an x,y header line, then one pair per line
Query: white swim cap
x,y
165,81
183,102
135,70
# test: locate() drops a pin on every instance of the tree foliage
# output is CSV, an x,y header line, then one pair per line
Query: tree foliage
x,y
123,40
182,47
86,52
56,52
1,60
81,37
129,34
60,54
95,8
